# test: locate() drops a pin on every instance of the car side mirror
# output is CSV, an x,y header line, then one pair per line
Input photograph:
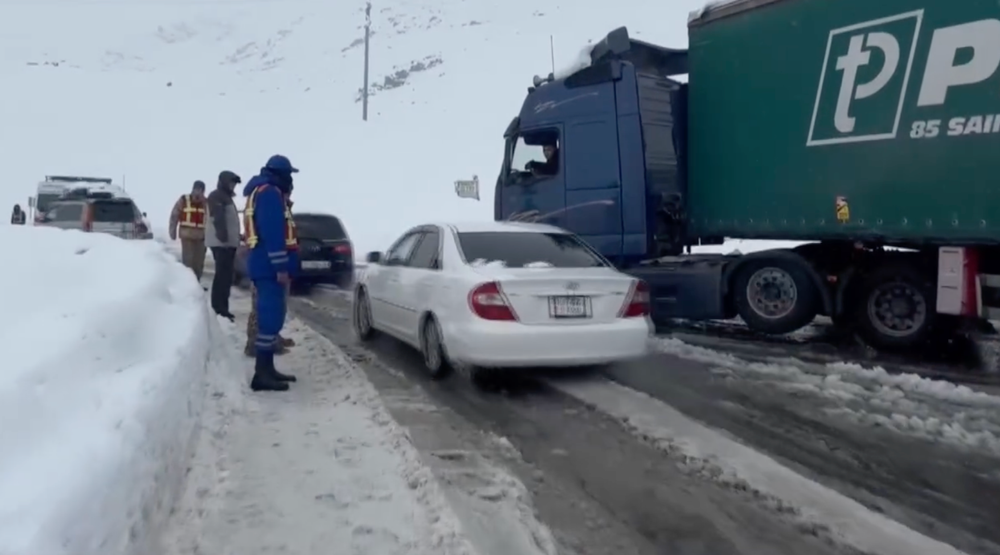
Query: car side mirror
x,y
374,257
143,214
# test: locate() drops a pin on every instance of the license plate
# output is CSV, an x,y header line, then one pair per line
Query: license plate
x,y
315,264
568,307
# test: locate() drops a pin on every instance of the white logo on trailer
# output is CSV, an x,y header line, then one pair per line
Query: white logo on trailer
x,y
858,55
941,74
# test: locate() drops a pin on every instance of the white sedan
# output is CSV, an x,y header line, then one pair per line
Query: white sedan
x,y
502,294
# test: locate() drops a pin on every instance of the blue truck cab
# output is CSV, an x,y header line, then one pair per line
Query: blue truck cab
x,y
619,127
619,179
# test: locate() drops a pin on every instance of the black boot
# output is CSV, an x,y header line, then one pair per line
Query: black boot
x,y
264,378
279,376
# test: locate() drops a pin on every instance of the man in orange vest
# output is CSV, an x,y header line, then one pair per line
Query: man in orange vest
x,y
273,244
189,216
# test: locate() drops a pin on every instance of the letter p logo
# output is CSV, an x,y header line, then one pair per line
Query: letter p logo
x,y
863,82
850,63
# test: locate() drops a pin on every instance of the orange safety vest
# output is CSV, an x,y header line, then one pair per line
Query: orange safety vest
x,y
193,214
291,236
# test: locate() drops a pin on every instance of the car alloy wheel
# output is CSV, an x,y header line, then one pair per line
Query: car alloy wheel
x,y
362,319
433,350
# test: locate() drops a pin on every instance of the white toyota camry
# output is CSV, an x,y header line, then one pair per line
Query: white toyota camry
x,y
502,294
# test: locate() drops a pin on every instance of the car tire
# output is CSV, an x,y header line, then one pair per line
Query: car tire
x,y
361,319
799,302
432,348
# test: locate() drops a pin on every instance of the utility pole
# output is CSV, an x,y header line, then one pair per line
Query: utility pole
x,y
364,94
552,53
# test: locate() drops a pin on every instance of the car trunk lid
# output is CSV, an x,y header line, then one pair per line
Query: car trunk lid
x,y
561,296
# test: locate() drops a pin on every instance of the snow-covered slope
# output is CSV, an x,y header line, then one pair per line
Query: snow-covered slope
x,y
168,91
107,344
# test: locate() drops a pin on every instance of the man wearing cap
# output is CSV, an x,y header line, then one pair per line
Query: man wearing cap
x,y
189,216
222,235
271,236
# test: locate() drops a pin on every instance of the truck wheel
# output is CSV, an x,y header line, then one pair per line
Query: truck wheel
x,y
775,296
896,307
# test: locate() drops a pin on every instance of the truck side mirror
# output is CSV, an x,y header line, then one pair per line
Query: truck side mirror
x,y
374,257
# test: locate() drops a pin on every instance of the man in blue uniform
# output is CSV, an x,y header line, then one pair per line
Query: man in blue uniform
x,y
272,242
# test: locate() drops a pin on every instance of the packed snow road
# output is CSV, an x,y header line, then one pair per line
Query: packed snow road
x,y
600,475
923,452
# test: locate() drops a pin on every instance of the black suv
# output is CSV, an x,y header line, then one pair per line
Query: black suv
x,y
325,252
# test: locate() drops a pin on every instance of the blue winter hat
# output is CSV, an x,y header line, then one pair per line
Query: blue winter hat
x,y
280,164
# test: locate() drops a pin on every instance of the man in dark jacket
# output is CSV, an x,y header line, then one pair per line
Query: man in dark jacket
x,y
18,217
550,166
222,235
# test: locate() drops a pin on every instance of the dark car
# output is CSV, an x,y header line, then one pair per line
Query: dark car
x,y
325,253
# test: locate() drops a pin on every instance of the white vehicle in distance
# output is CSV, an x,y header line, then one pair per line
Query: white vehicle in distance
x,y
53,187
501,295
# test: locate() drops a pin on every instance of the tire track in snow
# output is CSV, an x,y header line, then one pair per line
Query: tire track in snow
x,y
946,490
599,489
494,507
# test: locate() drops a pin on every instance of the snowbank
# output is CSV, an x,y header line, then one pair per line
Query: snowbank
x,y
745,246
933,410
107,345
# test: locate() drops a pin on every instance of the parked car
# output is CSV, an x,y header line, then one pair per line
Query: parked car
x,y
501,294
53,187
325,253
97,212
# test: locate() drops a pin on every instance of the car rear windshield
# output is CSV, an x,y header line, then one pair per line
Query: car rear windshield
x,y
327,228
114,211
519,250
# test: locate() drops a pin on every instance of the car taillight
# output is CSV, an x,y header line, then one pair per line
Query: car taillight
x,y
489,303
88,219
637,304
342,249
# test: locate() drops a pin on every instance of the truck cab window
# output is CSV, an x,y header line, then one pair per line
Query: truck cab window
x,y
535,156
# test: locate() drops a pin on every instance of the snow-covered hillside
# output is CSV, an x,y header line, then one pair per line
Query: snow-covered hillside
x,y
168,91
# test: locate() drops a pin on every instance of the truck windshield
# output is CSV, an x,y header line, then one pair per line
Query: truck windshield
x,y
44,201
519,250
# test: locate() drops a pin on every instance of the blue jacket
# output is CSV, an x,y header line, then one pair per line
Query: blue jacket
x,y
269,256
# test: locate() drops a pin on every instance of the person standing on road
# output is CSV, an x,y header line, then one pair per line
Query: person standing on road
x,y
270,233
18,217
189,215
293,261
222,235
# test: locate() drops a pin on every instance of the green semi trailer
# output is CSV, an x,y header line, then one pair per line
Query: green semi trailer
x,y
869,129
